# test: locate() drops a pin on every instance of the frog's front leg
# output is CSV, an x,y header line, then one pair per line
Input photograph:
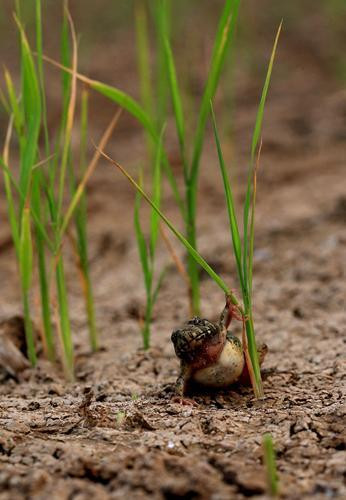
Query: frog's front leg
x,y
181,386
182,382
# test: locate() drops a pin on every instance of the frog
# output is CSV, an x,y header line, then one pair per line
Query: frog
x,y
209,354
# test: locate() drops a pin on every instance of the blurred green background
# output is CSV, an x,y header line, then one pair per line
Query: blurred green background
x,y
313,39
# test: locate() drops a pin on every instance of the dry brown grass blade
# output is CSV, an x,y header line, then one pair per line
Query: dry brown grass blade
x,y
252,223
89,170
76,257
43,162
53,62
73,97
6,149
69,115
247,355
175,257
177,261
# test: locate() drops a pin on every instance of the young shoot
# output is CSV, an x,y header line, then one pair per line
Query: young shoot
x,y
243,250
187,203
36,198
270,464
147,250
192,251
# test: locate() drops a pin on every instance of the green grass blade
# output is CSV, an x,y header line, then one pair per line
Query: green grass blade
x,y
15,110
128,103
144,66
252,347
230,205
143,53
81,225
36,206
161,11
251,340
29,330
252,222
176,99
142,246
31,102
4,102
90,309
147,323
11,209
39,50
159,284
270,463
199,259
64,318
26,268
156,195
225,30
260,111
137,111
247,265
65,51
224,33
45,298
10,179
12,216
70,93
25,253
30,86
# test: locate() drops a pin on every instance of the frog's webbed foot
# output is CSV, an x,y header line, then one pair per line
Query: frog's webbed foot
x,y
184,401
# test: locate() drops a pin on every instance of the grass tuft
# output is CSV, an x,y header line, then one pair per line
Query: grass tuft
x,y
36,197
270,463
243,249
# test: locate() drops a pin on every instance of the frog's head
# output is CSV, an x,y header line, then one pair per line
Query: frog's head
x,y
198,338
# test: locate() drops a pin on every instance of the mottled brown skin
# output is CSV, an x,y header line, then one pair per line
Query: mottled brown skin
x,y
199,344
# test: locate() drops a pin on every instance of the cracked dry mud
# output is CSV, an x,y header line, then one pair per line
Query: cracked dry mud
x,y
115,433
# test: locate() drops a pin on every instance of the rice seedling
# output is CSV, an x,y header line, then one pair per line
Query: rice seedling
x,y
146,250
36,200
187,202
80,220
243,251
191,167
192,251
26,119
270,464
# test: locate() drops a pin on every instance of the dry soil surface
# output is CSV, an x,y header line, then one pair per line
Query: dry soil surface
x,y
114,432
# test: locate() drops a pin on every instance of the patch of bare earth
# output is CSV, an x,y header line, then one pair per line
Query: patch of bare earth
x,y
115,433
